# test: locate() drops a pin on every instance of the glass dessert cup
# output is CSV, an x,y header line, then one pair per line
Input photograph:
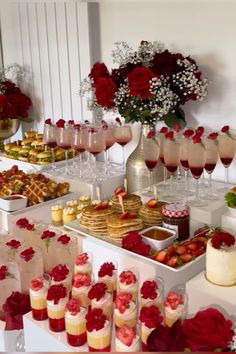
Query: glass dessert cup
x,y
49,140
179,312
151,151
105,303
158,289
47,246
66,252
129,285
211,161
100,341
128,318
127,340
9,282
67,281
10,249
81,286
110,281
76,328
56,215
83,263
38,302
56,315
123,136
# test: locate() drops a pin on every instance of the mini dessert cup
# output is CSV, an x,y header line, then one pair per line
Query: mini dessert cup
x,y
75,323
72,203
98,331
56,303
56,215
29,231
125,313
62,274
152,292
38,298
9,280
108,275
81,286
69,214
83,263
66,249
127,340
48,239
128,283
84,200
149,318
175,305
30,263
101,299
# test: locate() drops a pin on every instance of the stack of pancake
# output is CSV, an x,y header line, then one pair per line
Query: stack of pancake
x,y
150,213
132,203
95,219
118,226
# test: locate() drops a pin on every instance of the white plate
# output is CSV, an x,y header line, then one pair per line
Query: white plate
x,y
159,244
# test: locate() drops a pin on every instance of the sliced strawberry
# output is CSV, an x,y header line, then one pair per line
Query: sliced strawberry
x,y
118,190
102,205
181,249
202,239
186,257
192,246
161,256
124,216
202,230
198,252
123,194
132,215
153,254
171,250
15,168
152,203
3,180
173,262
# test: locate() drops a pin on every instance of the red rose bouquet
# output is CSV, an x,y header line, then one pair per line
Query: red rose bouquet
x,y
149,84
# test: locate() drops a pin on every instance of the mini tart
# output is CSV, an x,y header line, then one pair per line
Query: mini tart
x,y
69,214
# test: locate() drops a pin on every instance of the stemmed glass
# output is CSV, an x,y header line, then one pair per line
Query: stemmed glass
x,y
49,139
184,141
227,147
211,143
161,136
95,143
64,140
197,162
109,136
151,151
78,143
123,136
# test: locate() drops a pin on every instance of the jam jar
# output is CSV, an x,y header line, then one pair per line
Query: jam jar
x,y
176,217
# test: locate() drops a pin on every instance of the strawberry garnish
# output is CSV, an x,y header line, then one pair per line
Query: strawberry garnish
x,y
118,190
174,262
126,335
173,300
198,252
171,250
122,302
124,216
132,215
102,205
152,203
186,257
123,194
192,246
162,256
181,249
127,277
15,168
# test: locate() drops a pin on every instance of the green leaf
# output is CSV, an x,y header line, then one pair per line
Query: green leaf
x,y
27,120
171,119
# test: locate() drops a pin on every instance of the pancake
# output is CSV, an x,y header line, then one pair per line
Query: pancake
x,y
151,215
132,203
95,220
118,227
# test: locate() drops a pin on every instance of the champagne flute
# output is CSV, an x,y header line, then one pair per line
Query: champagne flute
x,y
123,136
197,162
78,143
49,139
211,143
151,151
109,135
184,141
64,140
161,136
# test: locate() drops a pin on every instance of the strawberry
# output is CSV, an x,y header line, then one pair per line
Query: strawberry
x,y
202,239
152,203
126,335
198,252
161,256
192,246
118,190
186,257
181,249
153,254
102,205
15,168
124,216
123,194
3,180
173,262
171,250
202,230
132,215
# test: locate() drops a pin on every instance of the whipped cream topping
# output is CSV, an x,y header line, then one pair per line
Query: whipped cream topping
x,y
84,198
56,307
71,203
128,287
56,207
83,268
69,211
39,293
178,312
129,311
79,317
103,301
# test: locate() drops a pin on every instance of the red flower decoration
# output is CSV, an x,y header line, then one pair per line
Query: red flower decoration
x,y
212,136
97,291
59,272
131,240
64,239
127,277
225,129
107,268
122,302
149,290
151,134
36,284
47,235
22,223
48,121
81,280
30,227
98,70
73,306
197,138
169,135
105,92
3,272
164,130
188,133
150,316
221,239
208,331
200,130
82,259
139,82
27,254
173,300
142,248
71,122
56,292
13,244
95,320
176,128
60,123
77,126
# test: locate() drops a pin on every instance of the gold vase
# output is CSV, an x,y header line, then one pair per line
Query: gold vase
x,y
8,127
136,169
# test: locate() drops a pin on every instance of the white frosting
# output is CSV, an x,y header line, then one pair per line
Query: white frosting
x,y
69,211
78,318
146,331
174,314
129,311
71,203
103,301
57,207
56,307
83,268
133,287
41,293
221,265
105,331
121,347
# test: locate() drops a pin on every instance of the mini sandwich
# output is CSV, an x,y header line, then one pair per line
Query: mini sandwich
x,y
8,147
14,152
38,145
33,156
39,136
59,154
31,134
27,141
44,158
71,153
23,155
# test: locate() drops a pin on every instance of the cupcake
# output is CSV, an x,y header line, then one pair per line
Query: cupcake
x,y
151,293
98,331
69,214
56,214
83,264
108,275
75,323
149,318
101,299
56,303
61,274
127,340
38,299
125,312
84,200
128,283
81,286
174,308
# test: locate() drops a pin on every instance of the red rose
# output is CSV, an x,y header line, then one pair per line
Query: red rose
x,y
98,70
73,306
105,92
200,130
16,305
142,248
60,123
30,227
222,238
213,136
64,239
95,320
77,126
3,272
197,138
163,130
13,244
225,129
150,316
188,133
207,331
97,291
71,122
149,290
56,292
48,121
169,135
107,268
131,240
151,134
36,284
27,254
59,272
165,63
47,234
22,223
139,82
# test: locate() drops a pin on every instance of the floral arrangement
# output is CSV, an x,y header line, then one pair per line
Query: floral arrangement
x,y
150,316
27,254
149,84
13,103
149,290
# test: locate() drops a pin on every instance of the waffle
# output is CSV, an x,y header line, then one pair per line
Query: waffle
x,y
62,189
132,203
5,190
95,220
151,216
117,228
36,192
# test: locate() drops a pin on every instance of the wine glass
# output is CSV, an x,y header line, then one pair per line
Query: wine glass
x,y
211,143
64,140
197,162
184,141
161,136
95,144
227,147
151,151
49,139
109,135
78,143
123,136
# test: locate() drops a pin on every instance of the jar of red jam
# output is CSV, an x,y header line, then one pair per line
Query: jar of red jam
x,y
176,217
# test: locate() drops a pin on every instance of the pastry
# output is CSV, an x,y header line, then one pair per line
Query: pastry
x,y
98,331
125,312
72,204
75,323
56,214
56,303
69,214
150,213
38,299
